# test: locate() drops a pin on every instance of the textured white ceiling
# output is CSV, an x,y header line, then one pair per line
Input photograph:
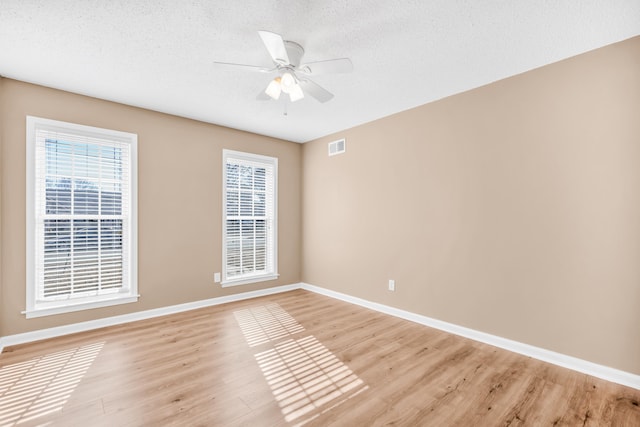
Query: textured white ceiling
x,y
159,54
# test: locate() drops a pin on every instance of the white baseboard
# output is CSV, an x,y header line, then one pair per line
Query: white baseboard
x,y
132,317
600,371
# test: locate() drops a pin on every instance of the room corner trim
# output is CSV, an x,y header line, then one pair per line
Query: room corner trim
x,y
600,371
132,317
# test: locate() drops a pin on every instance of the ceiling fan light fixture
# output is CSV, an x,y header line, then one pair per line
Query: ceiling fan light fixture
x,y
274,88
296,93
288,82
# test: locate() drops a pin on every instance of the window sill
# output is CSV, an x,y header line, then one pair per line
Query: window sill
x,y
247,280
52,309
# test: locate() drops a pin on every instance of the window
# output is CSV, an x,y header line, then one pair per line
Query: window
x,y
249,247
81,217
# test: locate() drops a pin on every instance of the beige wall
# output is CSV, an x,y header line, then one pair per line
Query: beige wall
x,y
179,201
1,168
512,209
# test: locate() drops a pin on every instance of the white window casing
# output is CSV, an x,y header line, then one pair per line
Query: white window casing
x,y
249,203
81,217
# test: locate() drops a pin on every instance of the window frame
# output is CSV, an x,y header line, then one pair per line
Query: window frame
x,y
273,246
35,308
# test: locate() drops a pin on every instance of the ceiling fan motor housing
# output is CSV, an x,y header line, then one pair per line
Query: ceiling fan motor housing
x,y
294,51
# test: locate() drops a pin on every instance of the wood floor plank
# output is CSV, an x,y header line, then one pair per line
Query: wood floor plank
x,y
295,358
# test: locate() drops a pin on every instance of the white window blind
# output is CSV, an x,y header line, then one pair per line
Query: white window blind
x,y
249,205
82,216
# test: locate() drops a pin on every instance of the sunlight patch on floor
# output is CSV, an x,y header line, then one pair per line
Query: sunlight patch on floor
x,y
42,385
266,323
306,378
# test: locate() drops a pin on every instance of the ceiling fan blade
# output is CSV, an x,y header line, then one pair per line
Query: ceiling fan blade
x,y
275,45
244,67
341,65
315,90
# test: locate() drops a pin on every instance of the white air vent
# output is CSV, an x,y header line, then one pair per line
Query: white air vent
x,y
337,147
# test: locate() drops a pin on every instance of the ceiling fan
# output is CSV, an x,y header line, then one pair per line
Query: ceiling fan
x,y
292,76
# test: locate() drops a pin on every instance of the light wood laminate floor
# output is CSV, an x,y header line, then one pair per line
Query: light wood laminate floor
x,y
295,358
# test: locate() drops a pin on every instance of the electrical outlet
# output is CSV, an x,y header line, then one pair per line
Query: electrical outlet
x,y
392,285
216,277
